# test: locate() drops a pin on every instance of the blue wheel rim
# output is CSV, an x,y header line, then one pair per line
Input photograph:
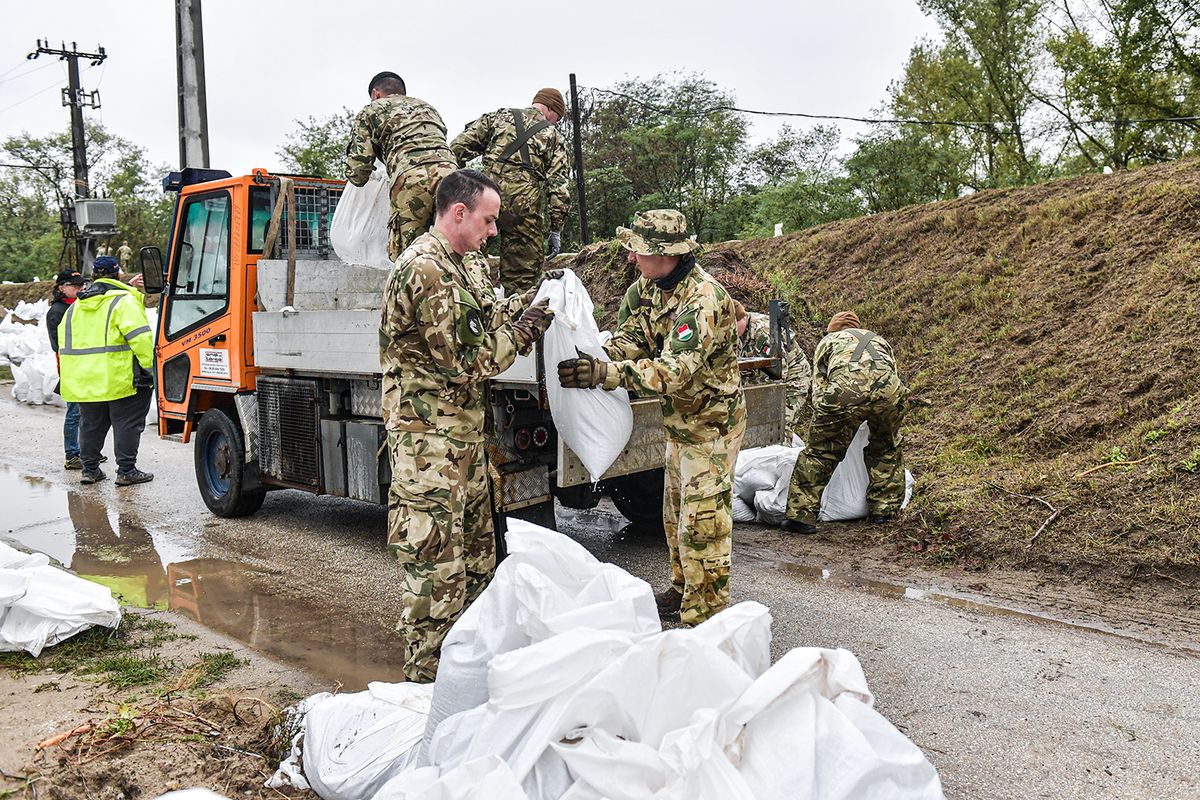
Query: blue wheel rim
x,y
216,450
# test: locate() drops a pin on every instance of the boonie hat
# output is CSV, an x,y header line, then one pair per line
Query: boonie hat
x,y
69,276
662,232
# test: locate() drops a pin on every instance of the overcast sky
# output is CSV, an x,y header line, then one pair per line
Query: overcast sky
x,y
270,62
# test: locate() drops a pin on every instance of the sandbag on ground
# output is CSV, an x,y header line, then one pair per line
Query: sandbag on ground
x,y
762,475
575,694
41,605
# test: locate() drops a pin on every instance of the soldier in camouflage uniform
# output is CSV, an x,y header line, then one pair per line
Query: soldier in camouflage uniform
x,y
409,137
754,341
855,381
675,338
442,333
524,153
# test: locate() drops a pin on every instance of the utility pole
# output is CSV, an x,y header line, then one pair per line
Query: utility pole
x,y
77,99
583,226
189,67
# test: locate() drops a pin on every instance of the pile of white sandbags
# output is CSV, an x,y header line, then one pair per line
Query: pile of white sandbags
x,y
559,683
762,475
41,605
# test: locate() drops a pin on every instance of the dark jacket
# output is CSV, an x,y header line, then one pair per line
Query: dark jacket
x,y
58,310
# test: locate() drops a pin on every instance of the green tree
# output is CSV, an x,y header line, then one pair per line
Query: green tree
x,y
666,142
795,179
318,145
907,165
41,181
1119,61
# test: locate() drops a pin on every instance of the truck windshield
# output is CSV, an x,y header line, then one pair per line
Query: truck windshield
x,y
200,277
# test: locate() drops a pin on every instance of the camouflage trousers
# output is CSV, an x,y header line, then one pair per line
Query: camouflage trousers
x,y
832,427
698,519
522,250
440,530
412,204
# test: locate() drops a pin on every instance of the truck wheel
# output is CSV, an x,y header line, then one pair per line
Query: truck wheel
x,y
221,467
639,498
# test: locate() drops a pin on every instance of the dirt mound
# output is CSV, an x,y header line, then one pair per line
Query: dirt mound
x,y
12,293
1045,331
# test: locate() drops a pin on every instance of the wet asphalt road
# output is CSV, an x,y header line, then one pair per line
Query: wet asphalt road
x,y
1005,707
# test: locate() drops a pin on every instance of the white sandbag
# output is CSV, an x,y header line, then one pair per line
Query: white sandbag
x,y
807,729
359,231
844,498
488,778
355,743
548,585
742,511
12,558
290,771
595,424
55,606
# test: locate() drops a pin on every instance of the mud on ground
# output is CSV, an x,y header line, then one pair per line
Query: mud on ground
x,y
156,706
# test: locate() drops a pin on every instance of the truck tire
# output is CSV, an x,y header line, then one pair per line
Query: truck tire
x,y
639,498
221,467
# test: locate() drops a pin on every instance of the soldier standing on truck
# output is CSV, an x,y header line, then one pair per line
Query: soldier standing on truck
x,y
409,137
676,338
754,341
442,333
523,153
856,381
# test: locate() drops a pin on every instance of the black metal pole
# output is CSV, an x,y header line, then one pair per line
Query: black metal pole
x,y
583,225
78,140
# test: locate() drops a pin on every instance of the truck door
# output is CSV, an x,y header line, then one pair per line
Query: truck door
x,y
194,349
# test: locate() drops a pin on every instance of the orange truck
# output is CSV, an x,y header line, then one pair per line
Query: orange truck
x,y
267,360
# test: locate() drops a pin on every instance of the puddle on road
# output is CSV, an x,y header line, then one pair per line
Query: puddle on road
x,y
154,569
944,597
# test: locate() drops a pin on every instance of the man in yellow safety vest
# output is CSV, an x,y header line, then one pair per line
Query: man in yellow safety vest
x,y
106,354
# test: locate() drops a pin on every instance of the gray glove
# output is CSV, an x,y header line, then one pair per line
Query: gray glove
x,y
553,244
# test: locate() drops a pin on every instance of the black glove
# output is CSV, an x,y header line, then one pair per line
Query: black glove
x,y
585,372
553,274
532,325
553,244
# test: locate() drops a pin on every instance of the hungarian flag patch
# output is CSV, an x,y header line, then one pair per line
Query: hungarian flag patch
x,y
684,333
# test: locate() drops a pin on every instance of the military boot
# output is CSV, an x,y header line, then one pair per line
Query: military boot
x,y
73,463
668,601
796,526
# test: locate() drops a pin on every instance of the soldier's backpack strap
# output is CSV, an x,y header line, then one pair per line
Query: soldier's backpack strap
x,y
864,344
523,136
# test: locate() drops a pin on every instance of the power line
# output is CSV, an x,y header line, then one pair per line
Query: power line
x,y
57,81
25,74
972,125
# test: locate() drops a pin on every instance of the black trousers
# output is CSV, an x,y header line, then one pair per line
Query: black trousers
x,y
126,417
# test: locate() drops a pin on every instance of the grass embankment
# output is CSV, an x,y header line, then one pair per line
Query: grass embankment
x,y
1050,337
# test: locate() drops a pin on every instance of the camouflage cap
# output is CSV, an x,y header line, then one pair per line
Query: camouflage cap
x,y
663,232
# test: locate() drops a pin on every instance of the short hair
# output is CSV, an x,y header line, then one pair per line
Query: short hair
x,y
462,186
389,82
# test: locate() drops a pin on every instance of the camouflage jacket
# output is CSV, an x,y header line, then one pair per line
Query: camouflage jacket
x,y
403,132
540,167
681,345
441,334
852,366
756,343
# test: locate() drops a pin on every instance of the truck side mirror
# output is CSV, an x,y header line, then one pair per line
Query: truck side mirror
x,y
152,270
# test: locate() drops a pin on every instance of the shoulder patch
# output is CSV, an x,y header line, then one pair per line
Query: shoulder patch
x,y
684,335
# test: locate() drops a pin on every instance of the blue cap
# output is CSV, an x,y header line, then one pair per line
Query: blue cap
x,y
105,265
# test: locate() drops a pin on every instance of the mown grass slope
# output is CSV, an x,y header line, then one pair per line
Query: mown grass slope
x,y
1044,331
